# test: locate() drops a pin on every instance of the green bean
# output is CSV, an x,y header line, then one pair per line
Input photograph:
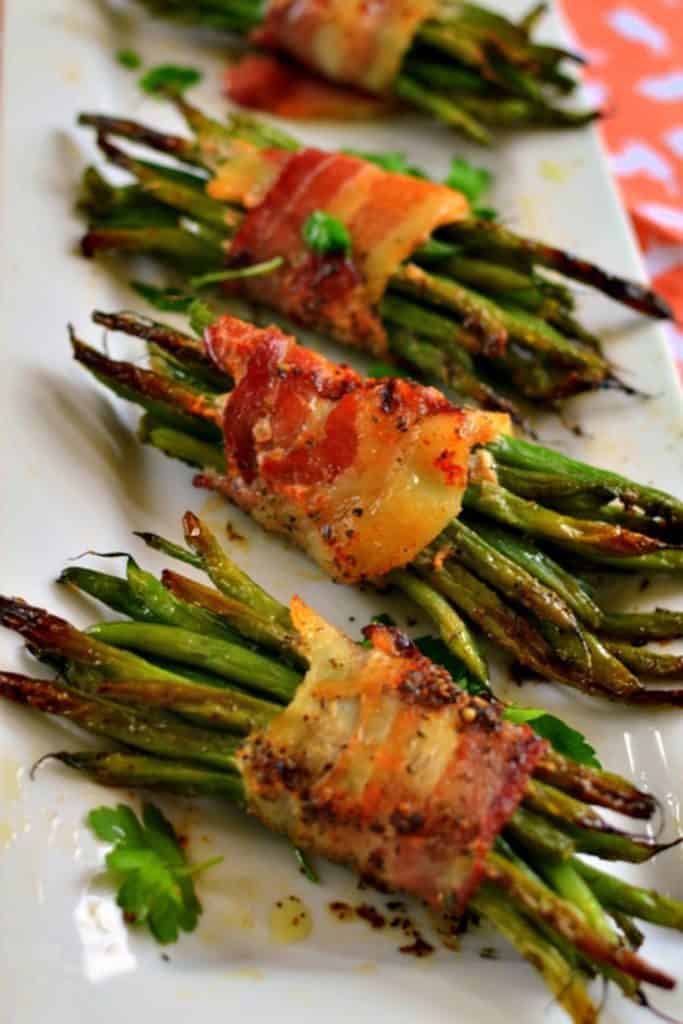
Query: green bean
x,y
175,145
109,590
142,770
506,576
559,974
453,631
446,110
219,656
58,639
241,617
458,372
646,662
527,456
227,576
610,844
525,553
179,445
171,192
538,838
166,400
620,896
569,884
553,803
484,607
479,314
184,250
167,547
660,624
166,608
447,78
427,324
594,786
187,350
154,731
593,540
211,706
495,239
536,900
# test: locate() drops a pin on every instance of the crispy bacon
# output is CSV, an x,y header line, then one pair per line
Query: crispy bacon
x,y
359,42
387,215
275,86
382,763
361,474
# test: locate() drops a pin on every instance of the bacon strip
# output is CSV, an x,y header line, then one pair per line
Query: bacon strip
x,y
362,474
357,42
387,215
275,86
382,763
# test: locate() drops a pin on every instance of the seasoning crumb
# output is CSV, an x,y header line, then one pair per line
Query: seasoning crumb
x,y
418,948
233,535
488,953
371,915
342,911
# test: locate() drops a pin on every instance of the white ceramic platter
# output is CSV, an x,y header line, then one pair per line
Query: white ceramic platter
x,y
73,477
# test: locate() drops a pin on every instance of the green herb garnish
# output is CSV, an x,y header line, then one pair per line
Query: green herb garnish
x,y
471,181
253,270
393,161
561,736
305,866
435,649
324,233
167,300
379,370
129,59
201,316
155,885
169,78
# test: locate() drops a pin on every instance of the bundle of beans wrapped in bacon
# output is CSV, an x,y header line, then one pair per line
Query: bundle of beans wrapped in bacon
x,y
386,481
369,755
463,64
421,279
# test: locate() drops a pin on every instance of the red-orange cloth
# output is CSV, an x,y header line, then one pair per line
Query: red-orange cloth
x,y
635,72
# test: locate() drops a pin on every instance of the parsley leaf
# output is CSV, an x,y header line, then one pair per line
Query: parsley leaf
x,y
201,316
485,212
324,233
150,867
168,300
305,866
169,78
561,736
434,648
471,181
393,161
129,59
379,370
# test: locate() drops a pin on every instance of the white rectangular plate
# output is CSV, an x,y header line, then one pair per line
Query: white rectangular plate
x,y
73,477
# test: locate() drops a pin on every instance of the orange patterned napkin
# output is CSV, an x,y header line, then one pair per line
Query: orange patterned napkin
x,y
635,72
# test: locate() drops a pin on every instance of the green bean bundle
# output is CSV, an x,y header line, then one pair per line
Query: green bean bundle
x,y
197,674
469,67
471,307
506,566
